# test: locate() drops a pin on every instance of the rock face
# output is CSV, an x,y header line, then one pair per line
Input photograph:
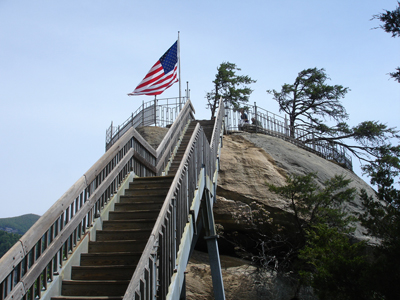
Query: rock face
x,y
152,134
241,281
248,161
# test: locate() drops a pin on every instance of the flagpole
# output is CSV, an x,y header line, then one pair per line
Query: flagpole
x,y
155,110
179,66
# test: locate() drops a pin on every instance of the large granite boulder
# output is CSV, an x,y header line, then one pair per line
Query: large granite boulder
x,y
248,162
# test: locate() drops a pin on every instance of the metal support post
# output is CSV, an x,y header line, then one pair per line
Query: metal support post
x,y
213,253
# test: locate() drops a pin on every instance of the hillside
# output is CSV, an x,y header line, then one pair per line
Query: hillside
x,y
18,225
11,229
7,240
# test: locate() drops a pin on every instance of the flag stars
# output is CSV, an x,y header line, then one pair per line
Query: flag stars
x,y
161,76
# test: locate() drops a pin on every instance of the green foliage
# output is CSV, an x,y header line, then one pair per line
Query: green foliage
x,y
310,98
313,205
309,102
329,262
396,75
336,268
21,224
231,87
7,240
371,133
391,24
391,20
382,220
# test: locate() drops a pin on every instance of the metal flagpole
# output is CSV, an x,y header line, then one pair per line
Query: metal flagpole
x,y
155,110
179,66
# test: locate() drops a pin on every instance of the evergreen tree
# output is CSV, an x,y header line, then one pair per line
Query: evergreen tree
x,y
308,98
231,87
391,24
313,205
329,262
310,103
382,220
336,268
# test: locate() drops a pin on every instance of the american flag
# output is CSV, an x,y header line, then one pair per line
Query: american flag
x,y
161,76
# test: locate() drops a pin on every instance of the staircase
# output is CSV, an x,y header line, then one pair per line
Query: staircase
x,y
105,271
208,129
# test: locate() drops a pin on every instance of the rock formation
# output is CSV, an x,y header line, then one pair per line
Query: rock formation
x,y
248,161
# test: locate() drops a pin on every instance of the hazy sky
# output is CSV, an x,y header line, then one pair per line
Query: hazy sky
x,y
66,68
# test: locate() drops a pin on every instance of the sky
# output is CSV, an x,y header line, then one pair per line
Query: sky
x,y
66,68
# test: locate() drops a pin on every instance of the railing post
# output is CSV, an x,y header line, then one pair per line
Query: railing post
x,y
313,139
255,116
213,253
142,113
286,125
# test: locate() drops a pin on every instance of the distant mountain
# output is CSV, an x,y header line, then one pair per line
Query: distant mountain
x,y
11,229
18,225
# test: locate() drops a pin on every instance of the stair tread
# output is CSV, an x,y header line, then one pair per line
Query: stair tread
x,y
132,221
104,266
97,281
112,253
152,178
118,241
88,297
137,210
143,196
140,202
126,230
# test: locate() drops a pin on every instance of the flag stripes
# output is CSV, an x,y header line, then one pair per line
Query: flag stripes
x,y
161,76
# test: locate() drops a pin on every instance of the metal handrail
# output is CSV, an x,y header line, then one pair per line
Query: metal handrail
x,y
275,125
158,112
166,147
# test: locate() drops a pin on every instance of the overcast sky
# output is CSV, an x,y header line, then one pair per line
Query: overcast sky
x,y
66,68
